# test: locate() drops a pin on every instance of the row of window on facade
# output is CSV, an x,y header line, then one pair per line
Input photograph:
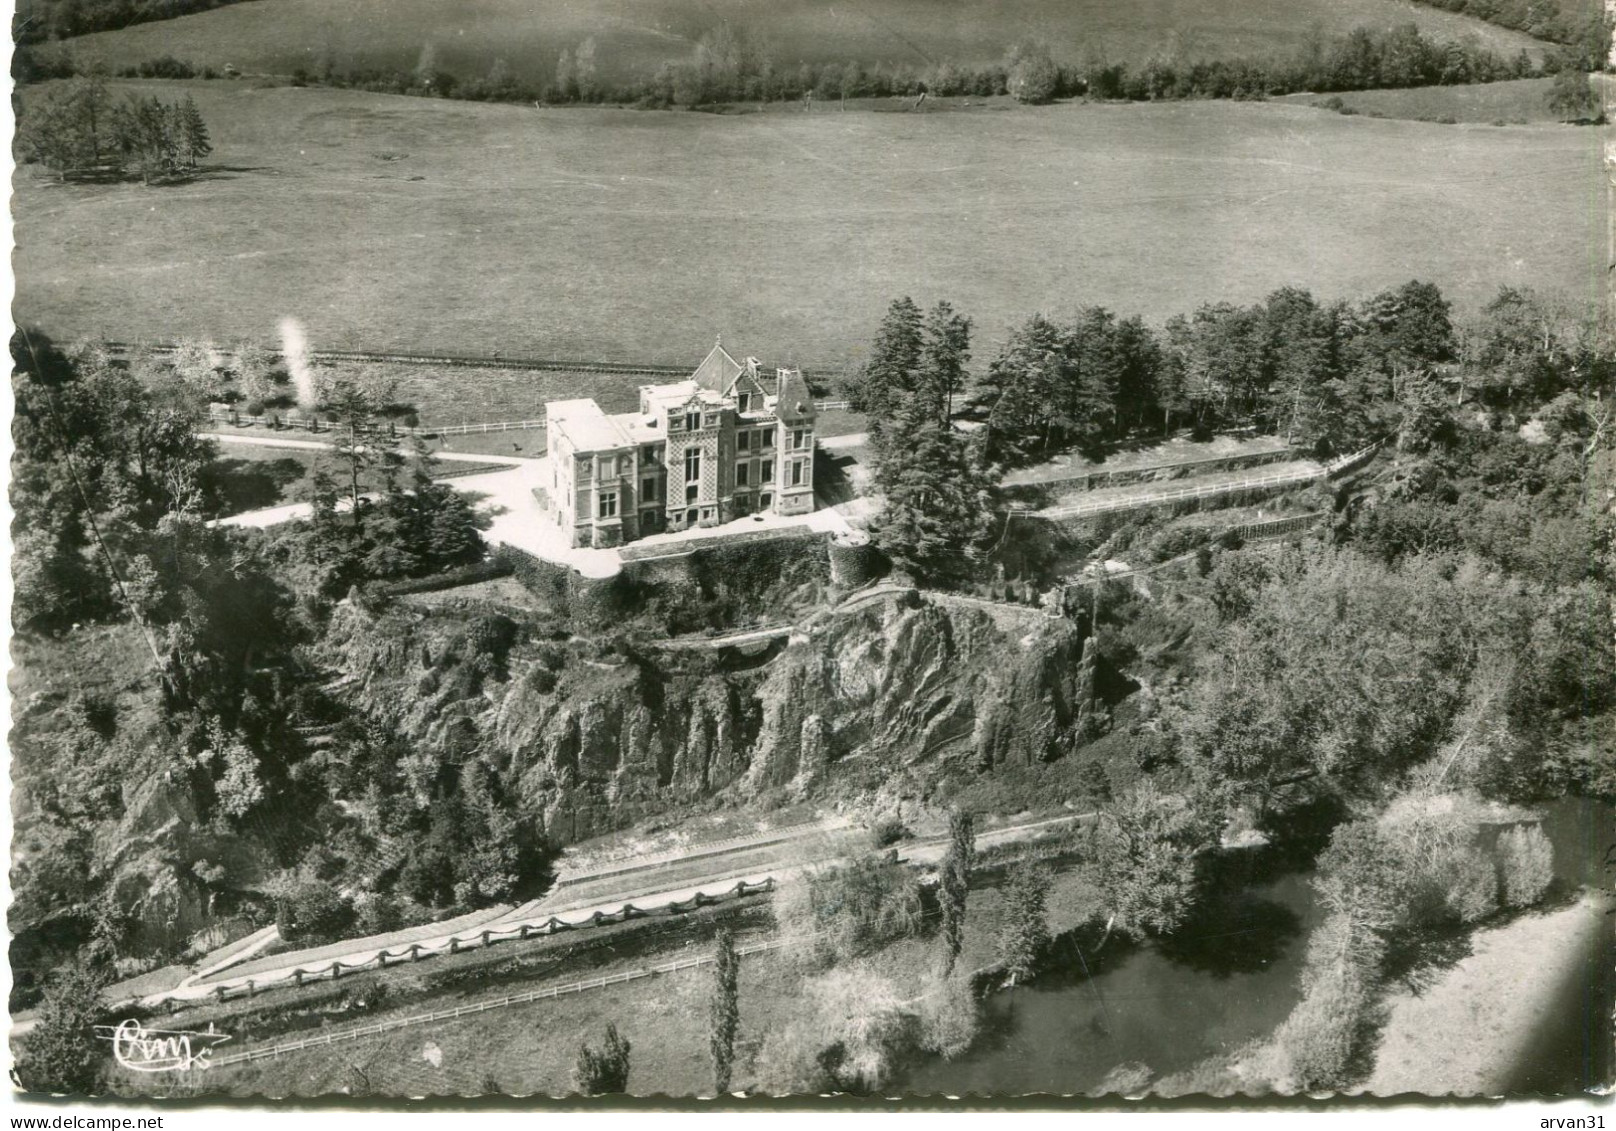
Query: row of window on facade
x,y
623,464
796,476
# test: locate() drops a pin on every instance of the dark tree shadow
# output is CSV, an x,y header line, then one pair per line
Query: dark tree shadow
x,y
1237,934
1418,959
238,485
832,483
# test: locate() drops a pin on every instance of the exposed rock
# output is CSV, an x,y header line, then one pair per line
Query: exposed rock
x,y
883,693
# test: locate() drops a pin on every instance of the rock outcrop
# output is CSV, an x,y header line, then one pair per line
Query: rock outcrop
x,y
591,740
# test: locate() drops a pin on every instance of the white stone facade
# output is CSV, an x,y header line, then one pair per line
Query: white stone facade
x,y
700,452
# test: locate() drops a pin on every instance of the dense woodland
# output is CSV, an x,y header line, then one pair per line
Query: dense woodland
x,y
113,494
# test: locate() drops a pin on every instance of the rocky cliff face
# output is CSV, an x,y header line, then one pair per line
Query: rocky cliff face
x,y
591,742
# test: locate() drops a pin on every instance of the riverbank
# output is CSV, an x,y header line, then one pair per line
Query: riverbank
x,y
1470,1030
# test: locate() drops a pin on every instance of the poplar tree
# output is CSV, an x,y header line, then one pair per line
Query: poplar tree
x,y
724,1011
954,883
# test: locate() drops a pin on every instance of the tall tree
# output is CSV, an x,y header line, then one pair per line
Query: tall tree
x,y
724,1015
1025,933
893,371
939,503
947,350
1086,402
351,405
1020,393
1138,392
954,883
194,132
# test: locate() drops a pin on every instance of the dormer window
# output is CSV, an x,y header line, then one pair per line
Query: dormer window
x,y
692,421
744,400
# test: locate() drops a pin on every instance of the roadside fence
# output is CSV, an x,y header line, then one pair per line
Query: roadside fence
x,y
335,968
339,1036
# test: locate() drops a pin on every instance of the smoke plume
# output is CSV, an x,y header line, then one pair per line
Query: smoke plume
x,y
295,351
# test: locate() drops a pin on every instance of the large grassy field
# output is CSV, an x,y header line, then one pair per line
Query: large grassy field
x,y
634,36
624,235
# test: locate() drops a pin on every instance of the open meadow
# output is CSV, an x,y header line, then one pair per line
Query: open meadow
x,y
633,37
392,222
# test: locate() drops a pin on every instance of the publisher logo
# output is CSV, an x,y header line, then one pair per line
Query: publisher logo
x,y
140,1049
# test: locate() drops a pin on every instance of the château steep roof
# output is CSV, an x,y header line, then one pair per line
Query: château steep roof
x,y
718,370
793,401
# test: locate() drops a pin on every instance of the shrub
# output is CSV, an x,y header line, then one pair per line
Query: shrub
x,y
377,913
1319,1038
448,579
949,1017
852,908
846,1037
1525,865
1473,889
62,1054
604,1070
1033,76
887,830
1172,543
314,912
541,680
491,636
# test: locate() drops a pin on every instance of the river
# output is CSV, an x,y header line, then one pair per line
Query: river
x,y
1230,978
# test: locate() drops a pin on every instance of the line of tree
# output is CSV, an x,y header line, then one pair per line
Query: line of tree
x,y
1329,377
726,67
80,130
1321,375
